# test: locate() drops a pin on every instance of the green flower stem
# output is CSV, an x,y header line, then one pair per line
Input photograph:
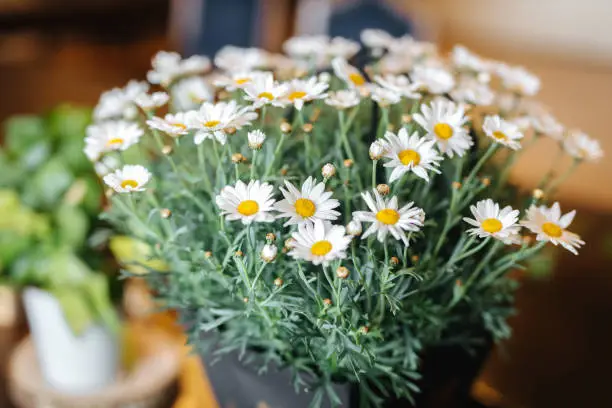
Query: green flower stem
x,y
262,124
202,163
129,210
374,167
548,175
160,145
259,272
276,153
483,263
490,151
384,121
514,258
254,164
470,252
343,137
552,187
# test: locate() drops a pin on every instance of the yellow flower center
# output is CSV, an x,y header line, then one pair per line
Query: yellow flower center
x,y
357,79
114,142
443,131
409,156
194,97
266,95
500,135
129,183
321,248
296,95
552,230
179,126
305,207
388,216
242,81
491,225
211,123
248,207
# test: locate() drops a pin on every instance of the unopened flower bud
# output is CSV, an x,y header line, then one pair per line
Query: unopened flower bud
x,y
342,272
348,163
315,115
166,150
394,261
238,158
230,130
284,171
527,239
290,243
278,282
456,185
307,127
328,170
364,329
390,127
285,127
207,254
538,194
245,299
406,118
383,189
377,149
238,253
327,302
459,283
165,213
268,253
256,139
415,258
325,77
270,237
354,228
486,181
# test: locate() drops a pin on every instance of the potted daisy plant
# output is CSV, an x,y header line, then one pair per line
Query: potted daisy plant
x,y
334,234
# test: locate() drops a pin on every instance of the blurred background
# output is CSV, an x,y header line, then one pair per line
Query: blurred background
x,y
560,355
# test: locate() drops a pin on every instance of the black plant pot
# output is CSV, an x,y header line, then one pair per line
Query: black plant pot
x,y
447,375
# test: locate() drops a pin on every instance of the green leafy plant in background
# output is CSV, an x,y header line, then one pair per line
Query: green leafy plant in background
x,y
50,197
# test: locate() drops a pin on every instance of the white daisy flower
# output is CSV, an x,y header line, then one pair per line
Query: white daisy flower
x,y
343,99
582,147
353,228
410,153
348,73
407,45
106,165
386,217
548,125
319,242
212,120
518,79
247,203
256,139
128,179
109,136
307,46
118,103
301,91
151,102
434,80
173,125
376,38
470,90
268,253
502,131
264,90
395,64
399,84
189,93
463,58
342,48
377,149
231,58
383,96
549,225
236,80
310,204
169,66
491,221
443,120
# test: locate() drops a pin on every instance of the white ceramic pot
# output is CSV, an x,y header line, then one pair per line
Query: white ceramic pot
x,y
69,363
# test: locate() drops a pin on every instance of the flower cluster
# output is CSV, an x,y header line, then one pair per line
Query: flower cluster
x,y
365,170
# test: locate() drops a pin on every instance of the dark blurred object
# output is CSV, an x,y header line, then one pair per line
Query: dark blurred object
x,y
348,20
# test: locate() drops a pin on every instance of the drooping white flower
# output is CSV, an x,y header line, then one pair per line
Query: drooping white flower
x,y
434,80
343,99
410,153
328,170
269,252
256,139
237,80
407,45
582,147
518,79
383,96
127,179
387,218
548,125
443,121
118,103
340,47
502,131
399,84
353,228
376,38
106,165
470,90
301,91
348,73
306,47
264,90
109,136
319,242
491,221
169,66
189,93
173,125
212,120
310,204
377,149
550,226
231,58
395,64
464,59
151,102
248,203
